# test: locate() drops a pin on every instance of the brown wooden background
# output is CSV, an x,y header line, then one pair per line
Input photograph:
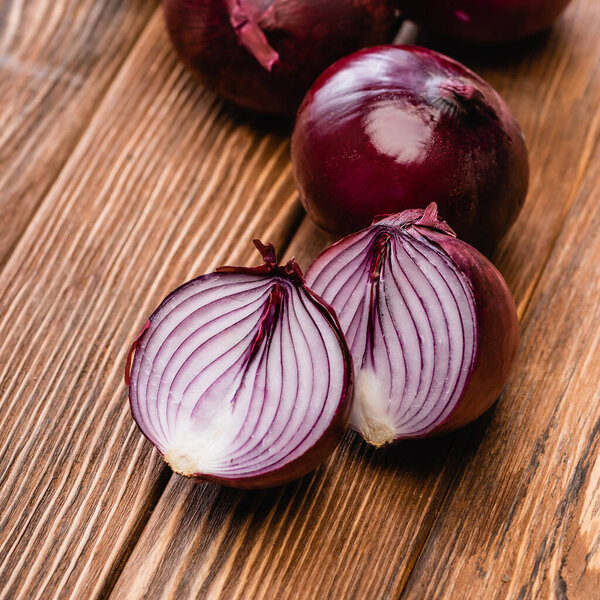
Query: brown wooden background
x,y
120,178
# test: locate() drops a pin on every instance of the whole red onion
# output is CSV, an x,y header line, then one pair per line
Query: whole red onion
x,y
430,322
242,376
484,21
397,127
265,54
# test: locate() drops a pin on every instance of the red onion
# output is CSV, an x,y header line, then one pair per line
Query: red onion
x,y
397,127
430,322
484,21
265,54
242,376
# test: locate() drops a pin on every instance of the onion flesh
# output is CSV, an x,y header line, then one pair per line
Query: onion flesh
x,y
391,128
430,323
242,377
265,54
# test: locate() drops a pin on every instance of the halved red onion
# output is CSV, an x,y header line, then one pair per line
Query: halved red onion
x,y
242,376
430,323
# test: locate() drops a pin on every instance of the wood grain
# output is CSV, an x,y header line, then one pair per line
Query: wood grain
x,y
523,519
316,538
147,180
56,61
165,183
356,528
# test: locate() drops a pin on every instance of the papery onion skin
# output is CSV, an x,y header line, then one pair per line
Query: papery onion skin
x,y
484,21
397,127
284,293
264,54
495,324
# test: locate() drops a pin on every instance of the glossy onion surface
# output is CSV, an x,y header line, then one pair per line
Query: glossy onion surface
x,y
265,54
430,323
397,127
242,377
484,21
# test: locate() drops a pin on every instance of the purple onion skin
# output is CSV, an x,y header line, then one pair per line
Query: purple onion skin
x,y
331,436
484,21
497,331
397,127
264,54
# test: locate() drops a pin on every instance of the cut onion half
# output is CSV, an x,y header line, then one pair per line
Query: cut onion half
x,y
242,376
430,322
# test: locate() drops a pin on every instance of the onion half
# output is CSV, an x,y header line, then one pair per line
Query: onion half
x,y
430,323
265,54
396,127
242,376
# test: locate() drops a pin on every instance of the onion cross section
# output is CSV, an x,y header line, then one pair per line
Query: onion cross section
x,y
242,376
430,322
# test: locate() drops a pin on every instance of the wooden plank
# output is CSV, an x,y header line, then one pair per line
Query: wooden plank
x,y
317,537
56,61
523,520
164,184
357,526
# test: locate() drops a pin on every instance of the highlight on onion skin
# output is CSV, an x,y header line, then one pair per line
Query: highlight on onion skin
x,y
484,21
397,127
430,323
264,54
242,377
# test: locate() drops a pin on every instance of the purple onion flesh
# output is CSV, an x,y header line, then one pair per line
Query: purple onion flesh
x,y
430,323
242,377
265,54
397,127
484,21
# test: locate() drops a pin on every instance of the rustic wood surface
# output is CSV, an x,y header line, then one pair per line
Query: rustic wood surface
x,y
121,178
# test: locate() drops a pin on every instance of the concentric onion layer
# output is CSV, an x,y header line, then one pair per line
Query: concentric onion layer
x,y
409,317
240,377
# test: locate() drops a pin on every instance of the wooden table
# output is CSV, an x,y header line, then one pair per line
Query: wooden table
x,y
121,178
